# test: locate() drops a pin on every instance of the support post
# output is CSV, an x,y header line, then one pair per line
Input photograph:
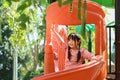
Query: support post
x,y
117,39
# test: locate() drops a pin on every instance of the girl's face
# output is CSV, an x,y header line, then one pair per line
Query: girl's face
x,y
73,44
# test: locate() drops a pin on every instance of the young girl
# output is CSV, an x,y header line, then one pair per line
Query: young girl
x,y
75,54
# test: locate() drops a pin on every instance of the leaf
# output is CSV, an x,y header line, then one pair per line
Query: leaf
x,y
44,2
23,25
111,23
84,21
59,2
15,0
79,9
106,3
67,2
23,19
48,1
90,27
6,4
23,6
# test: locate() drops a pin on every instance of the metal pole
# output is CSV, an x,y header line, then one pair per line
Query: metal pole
x,y
110,50
117,39
15,64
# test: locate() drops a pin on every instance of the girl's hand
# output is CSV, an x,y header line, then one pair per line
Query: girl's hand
x,y
93,58
55,56
53,28
56,33
97,58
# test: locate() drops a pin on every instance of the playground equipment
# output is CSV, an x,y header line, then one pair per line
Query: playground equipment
x,y
95,70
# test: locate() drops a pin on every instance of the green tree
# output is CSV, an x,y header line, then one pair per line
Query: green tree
x,y
6,59
27,20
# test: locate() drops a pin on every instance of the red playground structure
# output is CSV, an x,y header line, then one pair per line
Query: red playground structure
x,y
94,70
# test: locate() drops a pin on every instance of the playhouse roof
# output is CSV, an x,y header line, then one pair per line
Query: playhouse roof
x,y
62,15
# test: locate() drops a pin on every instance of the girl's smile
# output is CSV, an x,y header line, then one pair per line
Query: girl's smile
x,y
73,44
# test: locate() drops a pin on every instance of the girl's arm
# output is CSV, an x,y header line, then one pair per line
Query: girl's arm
x,y
90,56
57,34
56,41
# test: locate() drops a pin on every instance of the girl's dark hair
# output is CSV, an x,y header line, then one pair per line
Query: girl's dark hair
x,y
76,38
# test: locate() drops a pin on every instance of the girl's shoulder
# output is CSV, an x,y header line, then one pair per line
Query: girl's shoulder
x,y
82,49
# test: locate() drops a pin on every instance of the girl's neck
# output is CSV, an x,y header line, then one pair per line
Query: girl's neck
x,y
74,48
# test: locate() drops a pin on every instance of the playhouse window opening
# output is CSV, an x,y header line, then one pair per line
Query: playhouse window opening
x,y
88,39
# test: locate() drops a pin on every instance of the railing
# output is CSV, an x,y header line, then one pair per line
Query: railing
x,y
111,51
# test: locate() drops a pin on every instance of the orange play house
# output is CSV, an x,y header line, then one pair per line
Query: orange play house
x,y
95,70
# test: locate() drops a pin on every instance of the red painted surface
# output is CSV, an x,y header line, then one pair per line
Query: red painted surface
x,y
61,16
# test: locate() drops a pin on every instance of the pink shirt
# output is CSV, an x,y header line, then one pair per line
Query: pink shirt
x,y
85,54
58,40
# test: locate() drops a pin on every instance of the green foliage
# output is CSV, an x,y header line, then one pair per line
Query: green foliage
x,y
67,2
83,33
15,0
26,19
23,19
23,25
22,7
32,73
6,59
111,23
79,9
106,3
60,2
